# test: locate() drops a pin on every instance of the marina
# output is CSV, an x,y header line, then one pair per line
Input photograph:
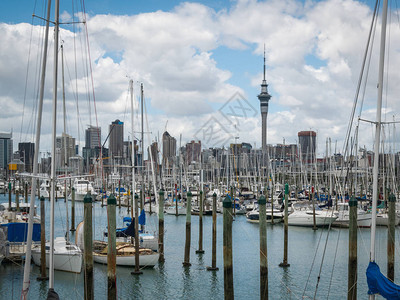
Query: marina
x,y
170,280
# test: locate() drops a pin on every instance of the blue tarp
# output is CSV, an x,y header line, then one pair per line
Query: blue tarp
x,y
142,218
380,284
17,232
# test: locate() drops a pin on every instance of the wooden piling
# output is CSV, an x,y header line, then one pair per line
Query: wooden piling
x,y
214,236
391,236
73,209
9,195
111,249
119,194
161,226
285,230
17,198
200,250
227,249
352,265
137,240
43,275
263,248
88,248
186,261
26,192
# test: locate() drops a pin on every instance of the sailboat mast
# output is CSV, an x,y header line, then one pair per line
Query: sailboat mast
x,y
27,266
378,133
133,148
53,176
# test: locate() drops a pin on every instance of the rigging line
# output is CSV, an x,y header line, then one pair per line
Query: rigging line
x,y
359,82
333,264
312,265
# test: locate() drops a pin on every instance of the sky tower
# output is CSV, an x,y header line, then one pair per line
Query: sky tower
x,y
264,99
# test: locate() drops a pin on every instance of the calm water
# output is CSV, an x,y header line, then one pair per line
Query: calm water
x,y
171,281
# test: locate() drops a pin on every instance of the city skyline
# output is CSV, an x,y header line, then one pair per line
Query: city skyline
x,y
312,68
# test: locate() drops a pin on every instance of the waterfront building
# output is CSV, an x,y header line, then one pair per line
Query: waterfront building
x,y
307,142
193,152
26,152
116,139
169,148
6,150
92,137
65,148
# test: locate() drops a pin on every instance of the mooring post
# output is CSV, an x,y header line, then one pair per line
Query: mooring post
x,y
352,266
161,226
119,194
9,195
285,230
111,249
214,236
263,248
391,236
43,275
227,249
186,261
137,240
200,250
26,192
88,248
73,209
17,198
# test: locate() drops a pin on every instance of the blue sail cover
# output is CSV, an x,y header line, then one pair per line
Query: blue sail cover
x,y
142,218
380,284
17,232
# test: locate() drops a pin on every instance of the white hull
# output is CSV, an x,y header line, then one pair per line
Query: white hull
x,y
382,219
172,210
67,258
305,218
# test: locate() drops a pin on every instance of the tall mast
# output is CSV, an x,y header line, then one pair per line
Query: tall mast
x,y
53,176
378,133
27,266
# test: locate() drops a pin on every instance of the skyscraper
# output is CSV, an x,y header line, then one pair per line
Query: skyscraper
x,y
307,142
193,152
6,149
169,148
65,145
26,153
116,139
93,137
264,98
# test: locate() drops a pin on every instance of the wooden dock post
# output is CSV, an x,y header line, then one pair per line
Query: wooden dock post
x,y
263,248
9,195
72,209
161,226
352,265
26,192
227,249
391,236
119,194
137,240
17,198
214,236
200,250
111,249
88,248
285,230
186,261
43,275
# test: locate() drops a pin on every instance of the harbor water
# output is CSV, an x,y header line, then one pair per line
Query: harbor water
x,y
170,280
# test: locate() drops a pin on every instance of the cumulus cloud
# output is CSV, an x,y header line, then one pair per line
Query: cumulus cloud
x,y
313,52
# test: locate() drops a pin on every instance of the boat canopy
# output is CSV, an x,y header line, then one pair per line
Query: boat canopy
x,y
17,232
380,284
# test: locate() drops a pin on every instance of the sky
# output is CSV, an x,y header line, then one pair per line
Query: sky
x,y
201,66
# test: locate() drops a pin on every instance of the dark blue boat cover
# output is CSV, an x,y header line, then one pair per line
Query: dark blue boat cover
x,y
17,232
142,218
380,284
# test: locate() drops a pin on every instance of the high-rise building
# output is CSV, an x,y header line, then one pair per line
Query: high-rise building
x,y
193,152
26,152
93,137
169,148
116,139
307,142
65,145
153,151
6,149
264,98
